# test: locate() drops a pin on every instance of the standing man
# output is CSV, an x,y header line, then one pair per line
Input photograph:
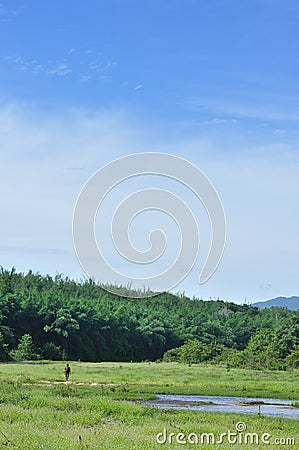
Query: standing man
x,y
67,371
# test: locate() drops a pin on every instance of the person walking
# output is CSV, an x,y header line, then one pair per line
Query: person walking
x,y
67,371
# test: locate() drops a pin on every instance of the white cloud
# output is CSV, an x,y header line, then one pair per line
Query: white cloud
x,y
8,12
219,121
280,132
85,78
74,62
259,109
61,70
45,160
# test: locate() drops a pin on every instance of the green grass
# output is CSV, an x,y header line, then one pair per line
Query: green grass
x,y
39,411
163,378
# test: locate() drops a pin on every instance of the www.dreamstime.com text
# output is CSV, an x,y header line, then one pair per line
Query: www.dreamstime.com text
x,y
239,436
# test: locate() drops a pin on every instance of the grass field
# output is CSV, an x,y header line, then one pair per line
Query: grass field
x,y
100,407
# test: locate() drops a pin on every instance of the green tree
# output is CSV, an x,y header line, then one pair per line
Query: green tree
x,y
193,352
4,356
52,351
265,350
292,360
25,350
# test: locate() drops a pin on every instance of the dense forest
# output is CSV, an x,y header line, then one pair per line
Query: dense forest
x,y
59,318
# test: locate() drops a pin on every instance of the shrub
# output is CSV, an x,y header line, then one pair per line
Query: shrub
x,y
172,355
52,351
25,350
292,360
4,354
193,352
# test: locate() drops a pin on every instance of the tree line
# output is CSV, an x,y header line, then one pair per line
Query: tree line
x,y
59,318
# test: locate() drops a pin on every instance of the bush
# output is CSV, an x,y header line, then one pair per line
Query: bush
x,y
25,350
172,355
4,354
264,351
52,351
292,360
232,358
193,352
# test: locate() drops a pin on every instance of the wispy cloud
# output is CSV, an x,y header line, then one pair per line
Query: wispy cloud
x,y
46,160
61,70
84,65
218,121
259,109
280,132
264,112
22,65
6,12
31,250
85,78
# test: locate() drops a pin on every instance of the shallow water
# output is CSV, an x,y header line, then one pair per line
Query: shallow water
x,y
242,405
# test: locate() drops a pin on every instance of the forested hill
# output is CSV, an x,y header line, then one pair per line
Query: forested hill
x,y
291,303
83,321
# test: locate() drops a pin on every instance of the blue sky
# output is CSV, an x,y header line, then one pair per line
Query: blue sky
x,y
215,82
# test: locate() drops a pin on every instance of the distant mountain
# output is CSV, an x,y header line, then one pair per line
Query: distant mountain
x,y
291,303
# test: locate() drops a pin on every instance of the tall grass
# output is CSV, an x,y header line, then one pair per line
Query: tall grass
x,y
38,410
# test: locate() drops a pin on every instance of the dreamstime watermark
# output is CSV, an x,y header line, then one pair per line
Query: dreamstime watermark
x,y
102,182
239,436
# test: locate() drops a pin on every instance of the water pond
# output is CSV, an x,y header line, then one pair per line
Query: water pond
x,y
242,405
